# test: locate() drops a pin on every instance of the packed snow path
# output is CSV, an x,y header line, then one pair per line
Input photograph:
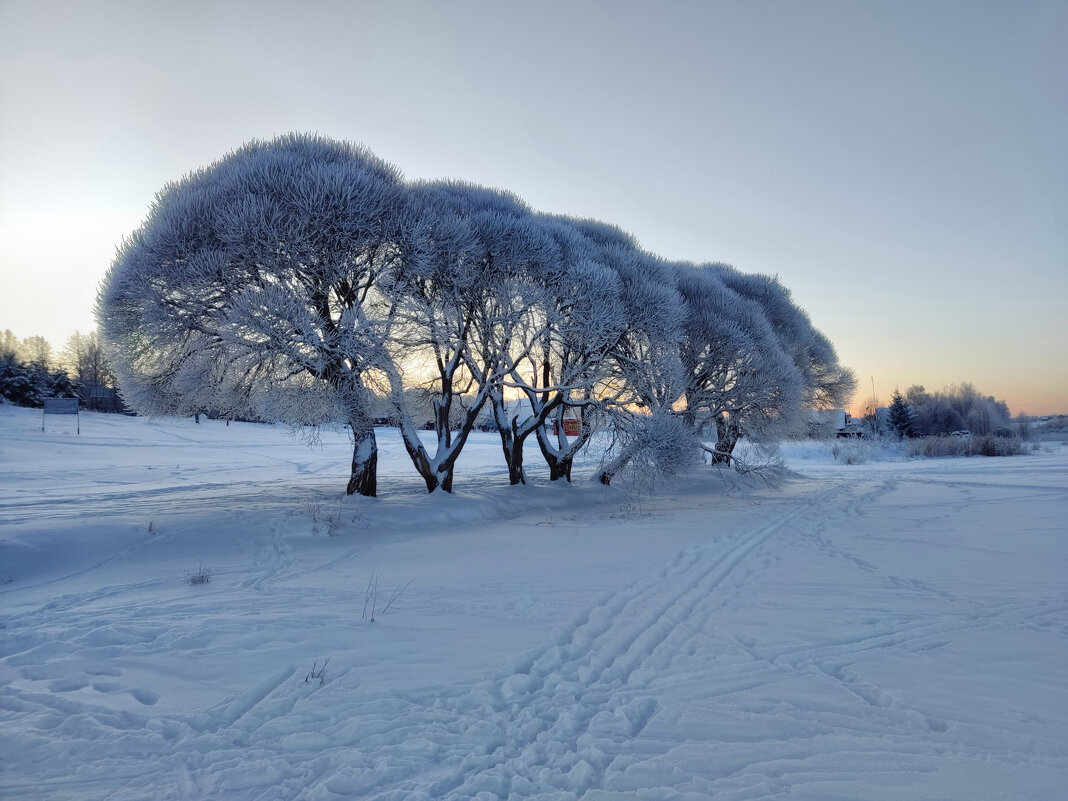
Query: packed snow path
x,y
883,631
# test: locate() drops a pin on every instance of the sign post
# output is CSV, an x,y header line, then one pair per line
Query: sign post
x,y
61,406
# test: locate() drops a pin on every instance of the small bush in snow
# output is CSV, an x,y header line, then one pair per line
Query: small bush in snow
x,y
332,521
937,446
202,575
314,510
317,672
989,445
985,445
851,452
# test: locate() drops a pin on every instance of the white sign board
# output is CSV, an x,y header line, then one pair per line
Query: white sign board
x,y
61,406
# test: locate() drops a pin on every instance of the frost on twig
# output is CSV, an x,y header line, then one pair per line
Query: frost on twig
x,y
317,672
370,597
768,465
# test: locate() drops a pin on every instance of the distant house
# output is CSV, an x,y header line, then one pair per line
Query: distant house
x,y
831,419
99,398
835,422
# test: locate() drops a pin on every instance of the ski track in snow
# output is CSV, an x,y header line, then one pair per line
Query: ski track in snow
x,y
561,721
581,717
558,722
571,718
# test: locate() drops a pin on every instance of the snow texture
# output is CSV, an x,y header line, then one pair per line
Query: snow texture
x,y
890,630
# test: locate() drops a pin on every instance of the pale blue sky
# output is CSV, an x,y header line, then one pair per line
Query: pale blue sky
x,y
902,166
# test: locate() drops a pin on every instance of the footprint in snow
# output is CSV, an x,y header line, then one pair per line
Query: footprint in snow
x,y
67,685
146,697
104,671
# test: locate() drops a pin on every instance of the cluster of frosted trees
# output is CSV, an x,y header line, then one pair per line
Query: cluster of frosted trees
x,y
302,280
28,374
956,408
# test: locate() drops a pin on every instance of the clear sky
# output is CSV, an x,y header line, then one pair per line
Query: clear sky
x,y
902,166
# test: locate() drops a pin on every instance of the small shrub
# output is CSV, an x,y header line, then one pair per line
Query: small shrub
x,y
334,521
851,451
317,672
984,445
314,510
936,446
202,575
992,445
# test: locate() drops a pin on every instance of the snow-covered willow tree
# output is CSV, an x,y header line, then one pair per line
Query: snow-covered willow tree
x,y
301,280
248,290
826,384
738,378
523,262
643,378
454,310
754,362
559,360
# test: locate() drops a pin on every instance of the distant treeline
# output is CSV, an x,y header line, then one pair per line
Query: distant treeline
x,y
957,408
30,372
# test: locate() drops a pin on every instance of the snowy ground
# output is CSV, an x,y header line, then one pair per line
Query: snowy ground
x,y
891,630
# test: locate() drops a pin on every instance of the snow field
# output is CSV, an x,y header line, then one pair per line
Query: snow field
x,y
879,631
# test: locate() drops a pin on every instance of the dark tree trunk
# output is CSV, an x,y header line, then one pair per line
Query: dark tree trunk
x,y
560,468
422,464
514,458
363,479
726,439
440,478
511,442
513,455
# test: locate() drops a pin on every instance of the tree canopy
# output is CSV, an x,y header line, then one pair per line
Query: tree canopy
x,y
302,280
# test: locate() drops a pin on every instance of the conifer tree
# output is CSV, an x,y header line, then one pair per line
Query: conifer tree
x,y
899,416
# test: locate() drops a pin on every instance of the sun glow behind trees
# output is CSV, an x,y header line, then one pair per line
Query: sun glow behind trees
x,y
300,279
